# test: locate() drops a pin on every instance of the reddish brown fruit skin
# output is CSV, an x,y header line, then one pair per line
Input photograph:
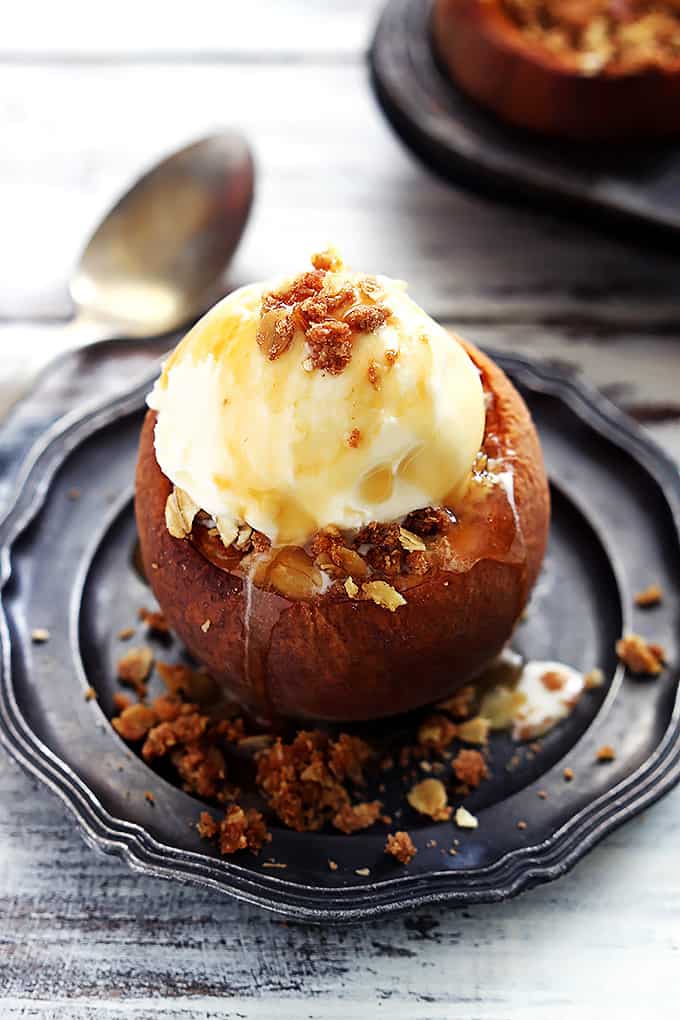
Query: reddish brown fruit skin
x,y
331,657
523,83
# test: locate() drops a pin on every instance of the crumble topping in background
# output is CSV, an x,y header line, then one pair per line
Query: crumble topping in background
x,y
592,35
310,779
328,319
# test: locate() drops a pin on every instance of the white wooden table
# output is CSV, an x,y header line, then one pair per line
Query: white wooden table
x,y
89,94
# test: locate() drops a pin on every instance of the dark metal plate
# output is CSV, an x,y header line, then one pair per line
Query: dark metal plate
x,y
633,185
67,566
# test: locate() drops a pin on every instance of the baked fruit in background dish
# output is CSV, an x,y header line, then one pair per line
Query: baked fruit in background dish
x,y
342,507
589,70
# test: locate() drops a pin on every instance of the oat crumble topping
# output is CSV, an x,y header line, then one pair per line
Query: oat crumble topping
x,y
592,35
639,656
650,596
400,846
328,320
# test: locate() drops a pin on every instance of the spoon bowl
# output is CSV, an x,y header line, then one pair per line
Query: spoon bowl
x,y
158,257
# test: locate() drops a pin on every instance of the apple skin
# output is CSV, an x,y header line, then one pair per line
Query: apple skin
x,y
330,657
528,86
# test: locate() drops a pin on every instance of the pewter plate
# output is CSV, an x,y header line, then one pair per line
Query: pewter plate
x,y
633,186
69,566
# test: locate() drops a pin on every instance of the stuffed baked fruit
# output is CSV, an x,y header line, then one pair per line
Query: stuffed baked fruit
x,y
590,70
342,522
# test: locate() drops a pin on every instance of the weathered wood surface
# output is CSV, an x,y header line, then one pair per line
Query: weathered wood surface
x,y
88,96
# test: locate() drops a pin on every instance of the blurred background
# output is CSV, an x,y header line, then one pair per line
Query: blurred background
x,y
91,95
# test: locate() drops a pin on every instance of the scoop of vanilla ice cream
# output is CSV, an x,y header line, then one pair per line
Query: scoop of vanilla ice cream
x,y
289,449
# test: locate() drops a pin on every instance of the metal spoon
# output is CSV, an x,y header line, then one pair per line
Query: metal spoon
x,y
158,258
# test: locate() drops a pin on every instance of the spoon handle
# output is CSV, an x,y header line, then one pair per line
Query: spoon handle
x,y
28,357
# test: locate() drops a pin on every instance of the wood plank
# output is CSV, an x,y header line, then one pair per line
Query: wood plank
x,y
85,937
328,168
77,30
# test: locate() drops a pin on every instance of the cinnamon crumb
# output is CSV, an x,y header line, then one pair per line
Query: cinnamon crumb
x,y
333,865
568,774
328,260
469,767
640,657
650,596
366,318
605,753
521,824
148,796
153,620
552,680
330,345
121,701
134,722
401,847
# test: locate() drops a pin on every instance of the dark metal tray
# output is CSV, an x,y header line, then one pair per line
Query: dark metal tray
x,y
67,565
634,186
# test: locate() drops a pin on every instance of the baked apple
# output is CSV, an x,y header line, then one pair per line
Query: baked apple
x,y
590,70
342,507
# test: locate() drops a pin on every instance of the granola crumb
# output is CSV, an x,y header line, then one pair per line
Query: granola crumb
x,y
333,865
469,767
362,872
351,587
90,694
384,595
605,753
475,730
521,824
568,774
465,820
126,633
134,668
436,731
39,635
121,701
593,679
650,596
134,722
354,438
154,620
205,626
429,797
148,796
410,541
400,846
542,794
640,657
